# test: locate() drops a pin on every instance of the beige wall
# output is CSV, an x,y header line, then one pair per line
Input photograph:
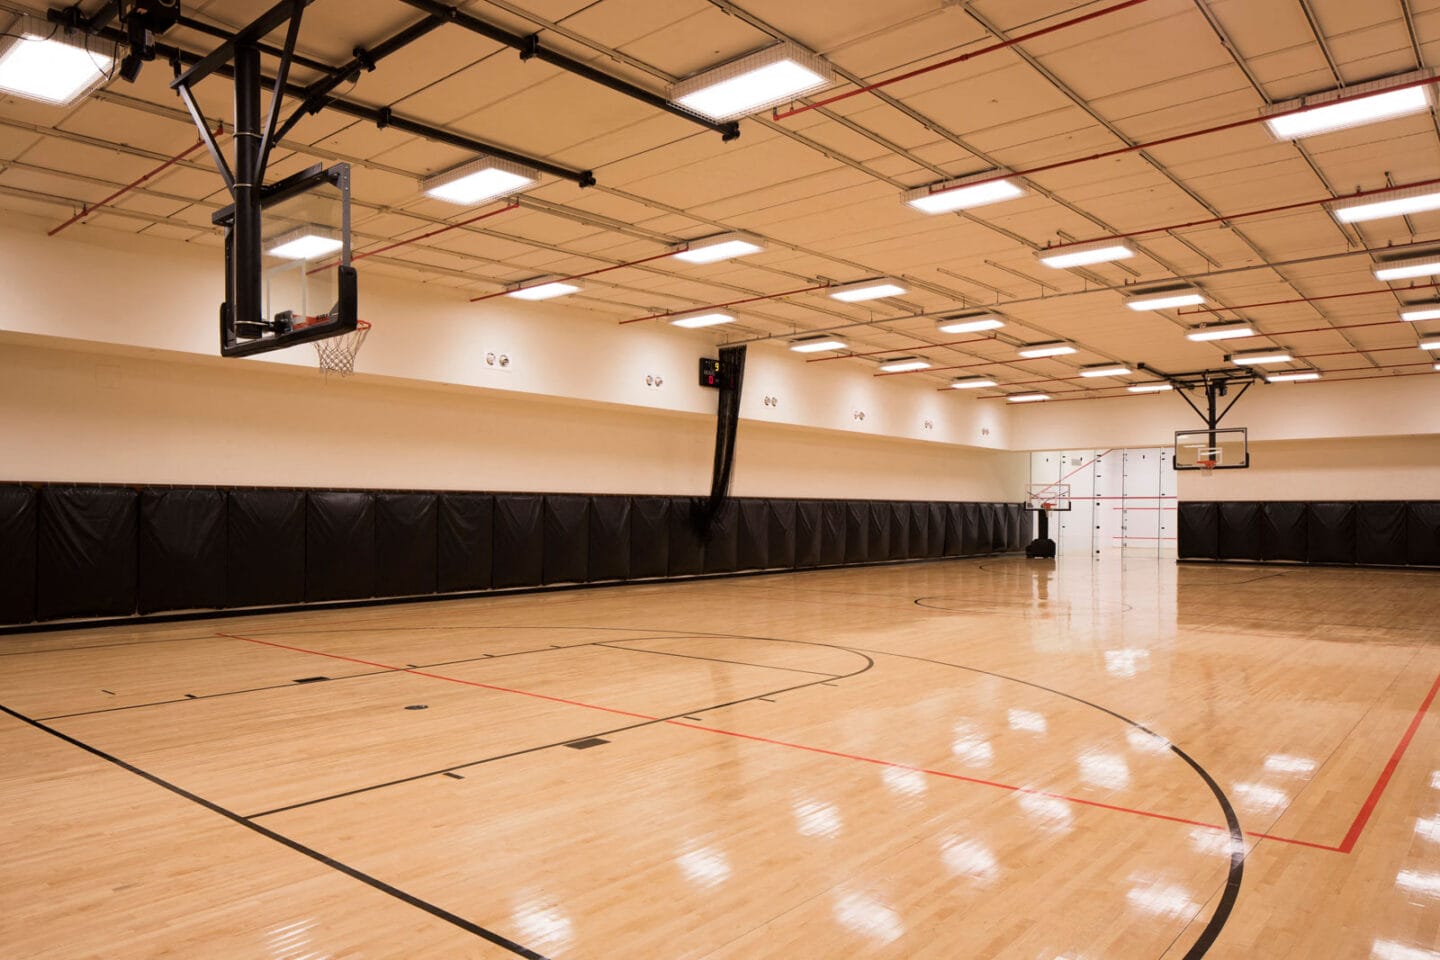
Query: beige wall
x,y
1369,468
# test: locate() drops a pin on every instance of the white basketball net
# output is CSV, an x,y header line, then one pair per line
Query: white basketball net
x,y
337,354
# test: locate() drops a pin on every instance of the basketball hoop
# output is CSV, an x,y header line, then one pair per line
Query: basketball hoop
x,y
1207,467
337,354
1048,505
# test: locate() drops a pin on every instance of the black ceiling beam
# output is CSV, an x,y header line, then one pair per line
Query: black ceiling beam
x,y
220,33
252,34
530,48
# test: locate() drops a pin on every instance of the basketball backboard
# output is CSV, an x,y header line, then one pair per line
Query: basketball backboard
x,y
1223,448
1047,496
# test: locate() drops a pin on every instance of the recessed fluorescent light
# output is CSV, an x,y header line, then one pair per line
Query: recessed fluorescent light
x,y
904,365
1165,298
304,243
1084,254
1431,344
1027,397
1421,311
1437,366
691,321
1149,387
753,82
45,62
1399,204
1408,267
724,246
481,179
969,323
972,383
976,190
1105,370
1220,331
1056,348
542,288
1291,377
816,345
868,290
1321,113
1260,356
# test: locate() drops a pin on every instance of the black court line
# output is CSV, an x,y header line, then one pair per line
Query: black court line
x,y
102,646
689,656
407,898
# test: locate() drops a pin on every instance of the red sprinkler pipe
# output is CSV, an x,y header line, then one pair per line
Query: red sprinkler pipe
x,y
730,303
915,346
590,273
417,238
1328,296
87,211
1053,28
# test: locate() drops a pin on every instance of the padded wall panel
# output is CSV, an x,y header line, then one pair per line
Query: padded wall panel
x,y
649,536
722,549
919,542
1199,530
834,522
265,547
879,537
975,529
1422,524
182,549
752,542
935,521
85,552
687,552
780,542
19,507
857,531
899,531
1239,532
994,514
609,538
1282,530
1019,536
1330,533
566,539
1380,535
339,545
406,544
954,529
809,532
519,545
464,534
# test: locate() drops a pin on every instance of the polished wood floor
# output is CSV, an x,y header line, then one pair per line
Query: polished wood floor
x,y
967,759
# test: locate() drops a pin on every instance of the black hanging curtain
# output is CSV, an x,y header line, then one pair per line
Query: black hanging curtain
x,y
727,423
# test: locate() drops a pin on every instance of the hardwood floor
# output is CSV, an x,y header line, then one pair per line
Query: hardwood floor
x,y
994,758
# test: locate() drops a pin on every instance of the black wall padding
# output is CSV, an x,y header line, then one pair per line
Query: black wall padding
x,y
1283,532
879,546
18,530
464,533
954,529
567,539
1380,532
609,538
919,542
833,515
1330,529
994,514
1239,533
85,552
780,538
900,531
1422,522
406,544
975,530
935,521
810,532
857,531
182,549
687,553
722,549
265,547
752,550
339,545
519,557
649,536
1199,530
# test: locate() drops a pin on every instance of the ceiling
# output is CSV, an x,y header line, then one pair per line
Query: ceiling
x,y
822,187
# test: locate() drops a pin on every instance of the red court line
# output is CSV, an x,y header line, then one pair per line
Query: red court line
x,y
1378,790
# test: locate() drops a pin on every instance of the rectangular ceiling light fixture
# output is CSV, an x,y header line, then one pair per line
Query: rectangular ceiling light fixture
x,y
1421,311
976,190
304,243
1351,106
972,383
753,82
904,365
479,180
542,288
819,343
969,323
868,290
1027,397
44,61
1431,344
1165,298
1054,348
722,246
1260,356
694,320
1408,267
1085,254
1220,331
1105,370
1149,387
1291,377
1401,203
